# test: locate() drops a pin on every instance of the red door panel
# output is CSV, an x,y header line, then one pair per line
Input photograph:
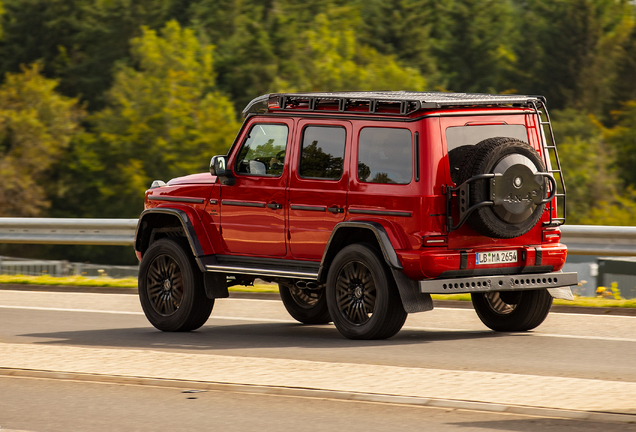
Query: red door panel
x,y
318,185
253,210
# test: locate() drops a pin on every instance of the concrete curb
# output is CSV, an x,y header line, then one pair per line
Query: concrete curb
x,y
323,394
276,296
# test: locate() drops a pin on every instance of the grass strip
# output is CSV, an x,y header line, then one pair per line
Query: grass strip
x,y
105,281
102,281
272,288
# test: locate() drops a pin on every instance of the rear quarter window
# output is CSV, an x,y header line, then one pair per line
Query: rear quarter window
x,y
385,155
322,152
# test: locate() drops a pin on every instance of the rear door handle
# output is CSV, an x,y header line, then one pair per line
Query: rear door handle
x,y
335,209
274,206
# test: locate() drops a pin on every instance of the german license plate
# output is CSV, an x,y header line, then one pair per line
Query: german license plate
x,y
499,257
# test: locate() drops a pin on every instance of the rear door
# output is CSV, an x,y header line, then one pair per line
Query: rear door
x,y
318,184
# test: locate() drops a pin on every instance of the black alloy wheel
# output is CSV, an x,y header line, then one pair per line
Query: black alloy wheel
x,y
306,305
362,297
171,288
164,285
513,311
503,303
356,293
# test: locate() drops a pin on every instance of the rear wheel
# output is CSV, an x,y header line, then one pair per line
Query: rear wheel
x,y
512,311
308,306
362,297
171,287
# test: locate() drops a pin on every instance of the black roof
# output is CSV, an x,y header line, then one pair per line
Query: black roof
x,y
408,102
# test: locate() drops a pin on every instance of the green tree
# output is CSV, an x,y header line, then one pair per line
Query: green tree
x,y
622,138
77,41
164,118
474,43
1,14
570,50
293,45
624,86
596,194
402,29
36,127
334,60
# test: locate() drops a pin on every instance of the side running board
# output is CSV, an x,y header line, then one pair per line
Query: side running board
x,y
283,268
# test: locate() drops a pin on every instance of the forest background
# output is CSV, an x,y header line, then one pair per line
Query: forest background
x,y
100,97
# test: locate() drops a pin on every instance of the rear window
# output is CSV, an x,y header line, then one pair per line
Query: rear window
x,y
385,155
460,139
458,136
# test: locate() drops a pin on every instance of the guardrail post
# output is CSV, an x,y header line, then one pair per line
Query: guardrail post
x,y
77,269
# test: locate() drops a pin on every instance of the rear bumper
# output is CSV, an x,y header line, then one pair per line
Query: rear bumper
x,y
437,263
498,283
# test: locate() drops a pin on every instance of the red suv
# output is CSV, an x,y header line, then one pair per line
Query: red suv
x,y
361,205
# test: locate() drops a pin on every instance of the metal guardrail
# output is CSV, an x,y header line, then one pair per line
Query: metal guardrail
x,y
60,268
115,232
580,239
599,240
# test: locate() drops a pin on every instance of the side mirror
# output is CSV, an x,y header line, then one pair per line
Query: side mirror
x,y
218,167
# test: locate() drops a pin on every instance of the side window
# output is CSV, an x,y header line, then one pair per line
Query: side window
x,y
385,155
322,153
263,152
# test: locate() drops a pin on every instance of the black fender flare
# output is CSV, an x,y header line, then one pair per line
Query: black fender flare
x,y
142,234
215,284
332,247
412,299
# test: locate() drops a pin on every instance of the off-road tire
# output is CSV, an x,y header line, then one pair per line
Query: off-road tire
x,y
485,156
171,288
304,305
363,300
456,160
527,310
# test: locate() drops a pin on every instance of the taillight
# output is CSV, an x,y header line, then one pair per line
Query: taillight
x,y
551,235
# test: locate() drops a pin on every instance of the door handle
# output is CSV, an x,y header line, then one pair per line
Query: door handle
x,y
274,206
335,209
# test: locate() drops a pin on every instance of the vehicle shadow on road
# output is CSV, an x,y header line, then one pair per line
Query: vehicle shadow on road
x,y
246,336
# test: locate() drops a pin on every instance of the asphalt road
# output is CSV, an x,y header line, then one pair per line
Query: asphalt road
x,y
60,406
566,345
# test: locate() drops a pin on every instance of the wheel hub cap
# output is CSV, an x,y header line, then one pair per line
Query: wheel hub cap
x,y
357,292
517,190
167,285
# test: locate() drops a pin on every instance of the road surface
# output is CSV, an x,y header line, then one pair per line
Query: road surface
x,y
574,366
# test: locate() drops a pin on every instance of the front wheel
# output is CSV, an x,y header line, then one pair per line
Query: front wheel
x,y
171,288
308,306
362,297
512,311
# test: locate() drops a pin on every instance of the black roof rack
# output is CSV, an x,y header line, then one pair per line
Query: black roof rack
x,y
385,102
